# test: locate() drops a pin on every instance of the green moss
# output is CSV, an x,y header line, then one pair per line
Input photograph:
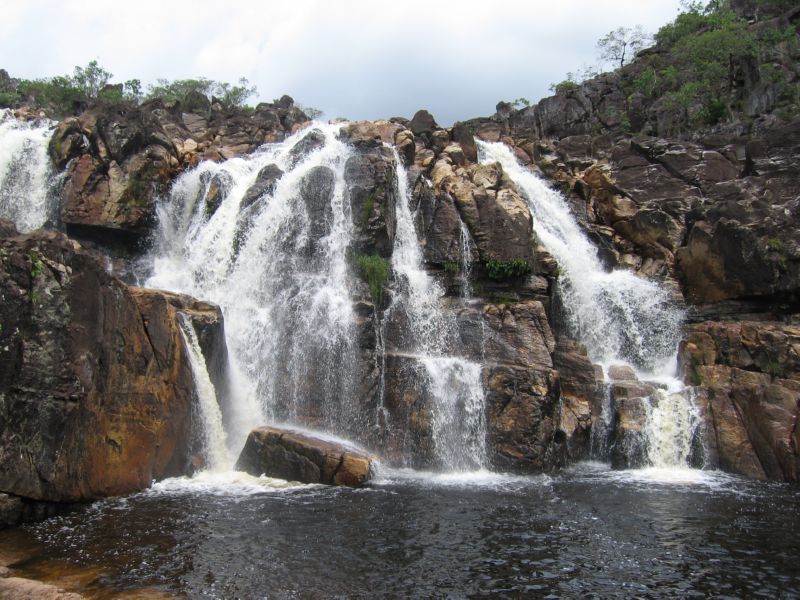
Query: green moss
x,y
506,269
451,267
37,266
369,205
775,369
504,299
775,245
374,270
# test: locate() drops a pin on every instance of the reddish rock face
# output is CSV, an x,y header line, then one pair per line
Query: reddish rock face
x,y
748,382
119,157
95,384
302,457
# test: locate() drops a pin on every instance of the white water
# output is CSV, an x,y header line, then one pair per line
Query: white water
x,y
453,383
465,246
26,173
621,318
285,296
215,452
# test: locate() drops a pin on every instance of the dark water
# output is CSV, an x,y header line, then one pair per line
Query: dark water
x,y
587,533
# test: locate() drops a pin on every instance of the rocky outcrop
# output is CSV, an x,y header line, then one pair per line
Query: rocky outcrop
x,y
302,457
747,377
18,588
95,385
119,157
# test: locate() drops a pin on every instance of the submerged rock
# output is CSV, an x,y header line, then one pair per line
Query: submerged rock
x,y
301,457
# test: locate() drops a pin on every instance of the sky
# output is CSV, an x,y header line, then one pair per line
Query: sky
x,y
356,59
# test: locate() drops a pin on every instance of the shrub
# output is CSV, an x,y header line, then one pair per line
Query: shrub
x,y
374,270
506,269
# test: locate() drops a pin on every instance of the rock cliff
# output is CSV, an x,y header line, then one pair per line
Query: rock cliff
x,y
96,390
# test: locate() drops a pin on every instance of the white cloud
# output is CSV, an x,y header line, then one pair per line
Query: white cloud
x,y
355,58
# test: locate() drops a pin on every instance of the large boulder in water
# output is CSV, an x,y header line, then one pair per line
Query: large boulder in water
x,y
301,457
96,387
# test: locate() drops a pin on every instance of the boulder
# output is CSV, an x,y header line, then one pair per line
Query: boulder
x,y
18,588
96,388
296,456
423,123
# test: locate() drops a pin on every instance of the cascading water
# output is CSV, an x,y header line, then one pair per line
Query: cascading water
x,y
215,453
465,271
618,316
26,174
453,383
275,260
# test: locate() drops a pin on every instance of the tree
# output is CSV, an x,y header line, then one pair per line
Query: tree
x,y
91,79
622,44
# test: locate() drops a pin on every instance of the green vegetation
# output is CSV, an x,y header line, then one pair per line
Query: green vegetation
x,y
706,62
451,267
187,90
374,270
64,94
622,44
775,369
67,94
37,266
775,245
506,269
369,205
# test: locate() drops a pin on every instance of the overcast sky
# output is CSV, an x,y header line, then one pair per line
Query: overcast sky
x,y
357,59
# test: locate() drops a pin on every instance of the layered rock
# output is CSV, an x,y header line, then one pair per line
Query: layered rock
x,y
302,457
119,157
747,376
95,384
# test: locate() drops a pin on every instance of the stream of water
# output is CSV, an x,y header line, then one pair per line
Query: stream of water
x,y
27,185
620,317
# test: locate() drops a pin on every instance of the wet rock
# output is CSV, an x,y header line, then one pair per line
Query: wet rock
x,y
313,140
11,509
265,184
372,191
498,218
302,457
17,588
316,190
747,380
95,385
581,396
119,158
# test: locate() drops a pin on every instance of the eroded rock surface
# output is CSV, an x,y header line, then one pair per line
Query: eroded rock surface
x,y
302,457
95,385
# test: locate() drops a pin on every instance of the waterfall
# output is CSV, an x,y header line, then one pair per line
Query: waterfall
x,y
265,237
453,383
465,268
214,450
620,317
26,174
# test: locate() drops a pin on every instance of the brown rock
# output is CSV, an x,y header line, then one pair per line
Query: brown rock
x,y
302,457
95,384
17,588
